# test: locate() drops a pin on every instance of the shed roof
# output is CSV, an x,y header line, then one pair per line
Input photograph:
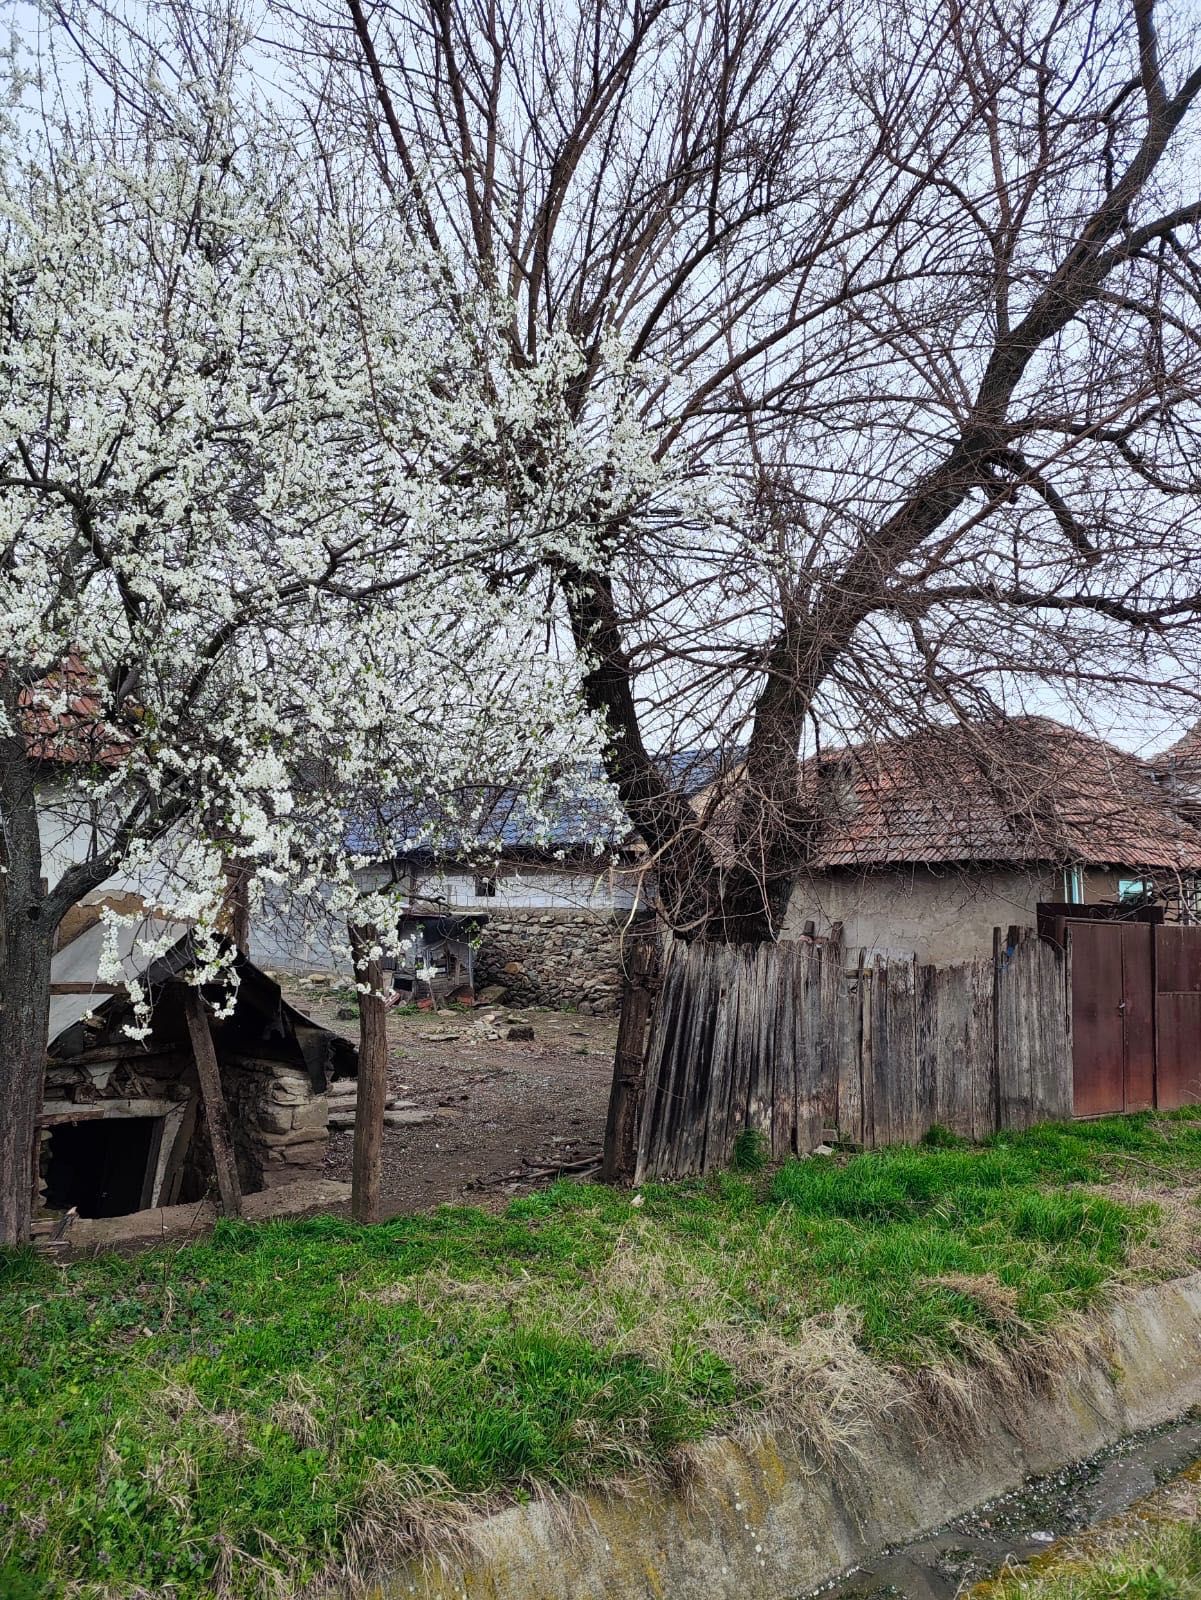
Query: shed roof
x,y
1021,790
79,962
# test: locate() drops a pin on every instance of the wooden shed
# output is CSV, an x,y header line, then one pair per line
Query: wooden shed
x,y
123,1124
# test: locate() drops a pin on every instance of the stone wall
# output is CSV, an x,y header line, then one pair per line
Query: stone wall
x,y
279,1124
554,958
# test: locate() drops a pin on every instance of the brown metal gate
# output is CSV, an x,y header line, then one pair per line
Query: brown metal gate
x,y
1177,1016
1113,1035
1136,1015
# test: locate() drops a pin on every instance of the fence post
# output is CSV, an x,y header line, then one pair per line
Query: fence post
x,y
628,1093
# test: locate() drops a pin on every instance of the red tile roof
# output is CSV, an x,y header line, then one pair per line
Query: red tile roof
x,y
1024,789
74,733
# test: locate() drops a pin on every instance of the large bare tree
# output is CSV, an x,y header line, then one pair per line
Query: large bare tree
x,y
908,298
909,295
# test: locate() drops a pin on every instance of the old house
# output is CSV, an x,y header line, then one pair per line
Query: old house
x,y
530,903
926,844
123,1124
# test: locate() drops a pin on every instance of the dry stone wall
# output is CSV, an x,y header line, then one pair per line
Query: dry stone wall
x,y
279,1125
554,958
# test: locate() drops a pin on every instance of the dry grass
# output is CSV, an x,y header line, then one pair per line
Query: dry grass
x,y
1171,1246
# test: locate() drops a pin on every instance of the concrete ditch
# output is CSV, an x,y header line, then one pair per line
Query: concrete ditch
x,y
763,1519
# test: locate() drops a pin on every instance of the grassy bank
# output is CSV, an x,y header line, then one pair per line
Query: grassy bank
x,y
1151,1553
302,1399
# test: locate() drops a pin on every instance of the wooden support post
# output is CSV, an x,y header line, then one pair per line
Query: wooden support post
x,y
237,905
373,1081
629,1061
215,1110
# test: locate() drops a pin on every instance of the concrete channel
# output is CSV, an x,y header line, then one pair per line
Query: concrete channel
x,y
763,1519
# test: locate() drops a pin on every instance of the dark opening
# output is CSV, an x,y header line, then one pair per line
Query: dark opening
x,y
99,1166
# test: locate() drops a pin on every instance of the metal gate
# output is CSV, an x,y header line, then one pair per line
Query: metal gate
x,y
1177,1016
1113,1036
1136,1015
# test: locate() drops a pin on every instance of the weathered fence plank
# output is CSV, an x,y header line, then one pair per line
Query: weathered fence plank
x,y
784,1039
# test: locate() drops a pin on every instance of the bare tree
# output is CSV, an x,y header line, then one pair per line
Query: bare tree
x,y
909,297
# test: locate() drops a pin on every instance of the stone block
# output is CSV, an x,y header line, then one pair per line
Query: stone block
x,y
311,1118
273,1119
309,1153
290,1091
277,1177
292,1136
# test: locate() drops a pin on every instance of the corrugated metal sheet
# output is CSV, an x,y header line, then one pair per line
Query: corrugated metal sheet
x,y
79,962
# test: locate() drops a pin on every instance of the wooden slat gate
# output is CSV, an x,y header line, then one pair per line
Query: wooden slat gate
x,y
791,1040
1177,1016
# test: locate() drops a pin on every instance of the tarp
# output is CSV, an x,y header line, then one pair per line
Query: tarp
x,y
79,962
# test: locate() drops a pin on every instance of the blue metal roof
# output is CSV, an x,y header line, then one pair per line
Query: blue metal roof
x,y
509,819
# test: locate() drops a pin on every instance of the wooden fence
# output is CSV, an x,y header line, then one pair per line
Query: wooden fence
x,y
794,1042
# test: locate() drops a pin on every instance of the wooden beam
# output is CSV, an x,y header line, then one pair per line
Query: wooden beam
x,y
366,1158
87,988
215,1110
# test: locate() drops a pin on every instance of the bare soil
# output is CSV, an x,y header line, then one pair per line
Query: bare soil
x,y
502,1111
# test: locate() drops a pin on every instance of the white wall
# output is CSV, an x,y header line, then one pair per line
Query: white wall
x,y
944,917
68,834
530,887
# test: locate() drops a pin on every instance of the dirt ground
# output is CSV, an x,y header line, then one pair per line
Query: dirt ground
x,y
501,1111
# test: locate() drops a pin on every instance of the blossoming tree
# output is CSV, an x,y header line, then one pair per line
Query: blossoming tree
x,y
257,509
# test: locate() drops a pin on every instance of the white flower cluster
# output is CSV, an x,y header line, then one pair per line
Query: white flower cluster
x,y
267,521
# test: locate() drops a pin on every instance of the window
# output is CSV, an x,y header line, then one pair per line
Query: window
x,y
485,888
1073,885
1133,889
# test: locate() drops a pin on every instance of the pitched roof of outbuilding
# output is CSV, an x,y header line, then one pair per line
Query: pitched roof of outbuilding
x,y
1021,790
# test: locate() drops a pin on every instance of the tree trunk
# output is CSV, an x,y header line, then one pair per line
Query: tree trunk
x,y
25,981
373,1081
28,935
237,906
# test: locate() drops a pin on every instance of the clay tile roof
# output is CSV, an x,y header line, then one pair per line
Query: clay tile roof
x,y
74,733
1024,789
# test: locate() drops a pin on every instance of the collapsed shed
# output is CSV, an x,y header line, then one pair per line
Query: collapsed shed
x,y
124,1124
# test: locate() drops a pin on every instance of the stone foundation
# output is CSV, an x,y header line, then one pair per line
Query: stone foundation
x,y
279,1123
559,958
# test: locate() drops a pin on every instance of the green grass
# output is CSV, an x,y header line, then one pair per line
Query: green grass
x,y
186,1421
1161,1565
